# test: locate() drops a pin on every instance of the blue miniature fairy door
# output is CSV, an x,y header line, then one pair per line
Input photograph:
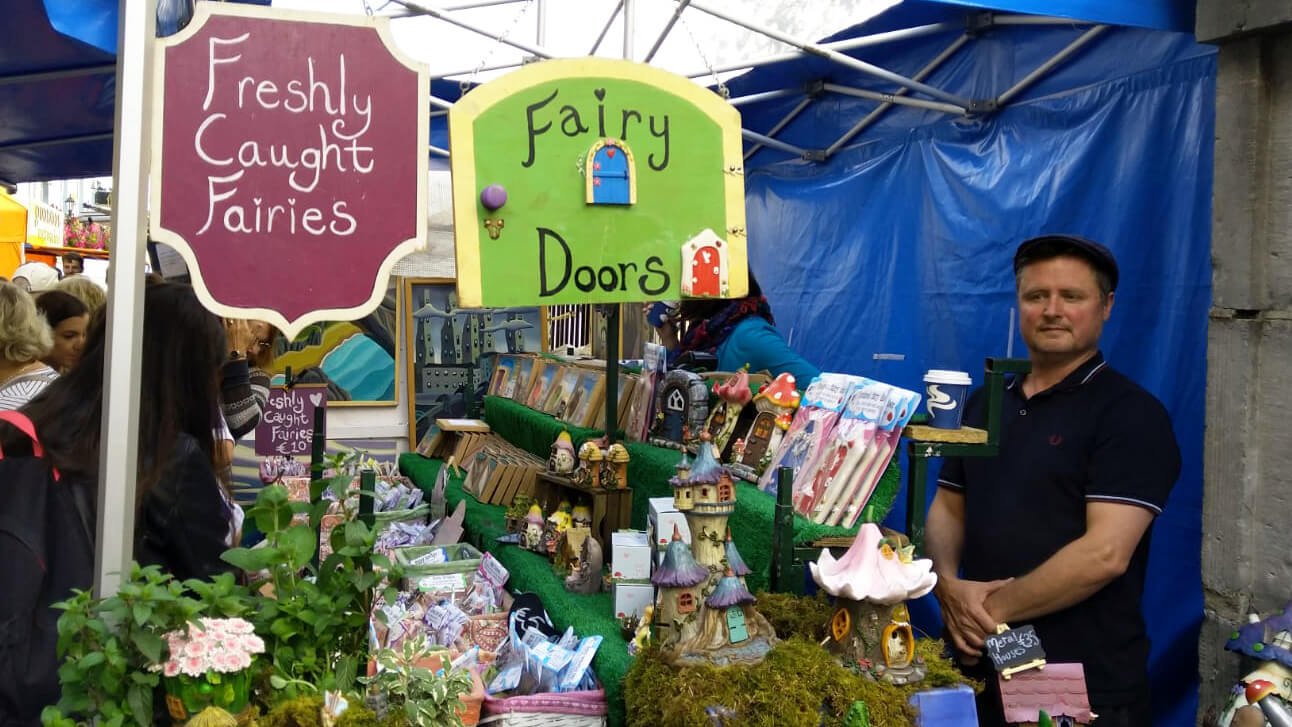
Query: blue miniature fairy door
x,y
611,176
674,414
736,630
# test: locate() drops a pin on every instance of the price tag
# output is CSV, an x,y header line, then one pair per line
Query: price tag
x,y
1015,650
443,583
431,557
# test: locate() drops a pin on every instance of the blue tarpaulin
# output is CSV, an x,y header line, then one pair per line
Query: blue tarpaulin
x,y
894,255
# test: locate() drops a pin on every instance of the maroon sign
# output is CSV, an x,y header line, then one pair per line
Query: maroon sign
x,y
289,161
286,424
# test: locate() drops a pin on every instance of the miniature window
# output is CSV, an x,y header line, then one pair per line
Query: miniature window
x,y
724,492
685,603
676,400
611,174
704,492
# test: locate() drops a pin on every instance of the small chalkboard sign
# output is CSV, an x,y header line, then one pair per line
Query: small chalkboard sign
x,y
1015,650
287,419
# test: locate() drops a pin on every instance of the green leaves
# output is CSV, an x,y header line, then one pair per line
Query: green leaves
x,y
297,544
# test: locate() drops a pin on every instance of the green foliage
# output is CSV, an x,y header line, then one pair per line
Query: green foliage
x,y
108,644
315,625
425,698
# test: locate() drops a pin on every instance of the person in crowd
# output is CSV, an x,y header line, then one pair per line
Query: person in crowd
x,y
25,339
73,264
1054,531
182,521
244,381
739,332
90,292
36,277
67,317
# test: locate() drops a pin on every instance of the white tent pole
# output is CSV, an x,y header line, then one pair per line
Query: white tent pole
x,y
861,41
894,98
1035,20
441,151
1076,45
540,24
119,442
606,28
837,57
482,69
785,120
410,13
773,143
441,103
668,28
883,108
500,37
628,30
764,96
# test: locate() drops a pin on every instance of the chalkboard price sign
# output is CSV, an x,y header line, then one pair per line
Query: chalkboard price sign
x,y
286,425
1015,650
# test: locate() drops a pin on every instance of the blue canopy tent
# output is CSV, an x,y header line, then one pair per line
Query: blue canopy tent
x,y
886,250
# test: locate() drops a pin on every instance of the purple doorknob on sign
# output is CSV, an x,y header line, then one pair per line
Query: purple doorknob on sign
x,y
493,197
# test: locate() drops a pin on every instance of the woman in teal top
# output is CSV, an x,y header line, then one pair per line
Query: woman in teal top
x,y
739,332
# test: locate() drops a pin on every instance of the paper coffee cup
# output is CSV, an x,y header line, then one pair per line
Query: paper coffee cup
x,y
946,392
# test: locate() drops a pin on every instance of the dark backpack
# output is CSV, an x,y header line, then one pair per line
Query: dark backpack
x,y
46,550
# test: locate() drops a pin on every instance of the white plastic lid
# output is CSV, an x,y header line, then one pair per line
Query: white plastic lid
x,y
944,376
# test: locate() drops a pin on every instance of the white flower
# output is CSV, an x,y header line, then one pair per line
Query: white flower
x,y
193,666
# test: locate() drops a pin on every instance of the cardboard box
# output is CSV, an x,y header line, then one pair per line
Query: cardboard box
x,y
630,556
632,597
663,516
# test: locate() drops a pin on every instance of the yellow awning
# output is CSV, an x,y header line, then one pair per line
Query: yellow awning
x,y
13,219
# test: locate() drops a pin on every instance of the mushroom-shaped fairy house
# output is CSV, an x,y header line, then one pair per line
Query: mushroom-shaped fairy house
x,y
614,471
589,471
872,582
1268,640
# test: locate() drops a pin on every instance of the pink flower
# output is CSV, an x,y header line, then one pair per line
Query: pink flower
x,y
171,669
193,666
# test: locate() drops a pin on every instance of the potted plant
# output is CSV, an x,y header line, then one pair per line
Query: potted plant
x,y
415,683
208,664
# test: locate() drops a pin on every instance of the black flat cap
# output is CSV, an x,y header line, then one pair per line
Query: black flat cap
x,y
1050,246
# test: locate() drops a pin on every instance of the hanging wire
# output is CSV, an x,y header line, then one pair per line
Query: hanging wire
x,y
723,91
466,85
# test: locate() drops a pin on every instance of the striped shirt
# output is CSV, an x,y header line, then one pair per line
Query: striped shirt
x,y
16,392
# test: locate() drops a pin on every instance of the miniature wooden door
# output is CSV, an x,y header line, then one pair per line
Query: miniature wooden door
x,y
610,174
674,411
736,630
705,272
759,435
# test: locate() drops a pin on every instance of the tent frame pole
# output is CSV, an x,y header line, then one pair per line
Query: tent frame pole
x,y
668,28
605,29
890,98
763,96
785,120
833,55
454,20
883,108
776,144
1071,49
838,45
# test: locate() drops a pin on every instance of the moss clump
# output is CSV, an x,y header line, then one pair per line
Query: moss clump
x,y
811,688
793,615
307,712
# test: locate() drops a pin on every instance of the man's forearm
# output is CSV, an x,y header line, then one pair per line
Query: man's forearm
x,y
1067,578
944,539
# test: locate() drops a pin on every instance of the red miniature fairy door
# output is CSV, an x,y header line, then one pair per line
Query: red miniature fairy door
x,y
706,279
610,174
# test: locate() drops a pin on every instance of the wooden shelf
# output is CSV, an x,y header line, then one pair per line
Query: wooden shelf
x,y
963,435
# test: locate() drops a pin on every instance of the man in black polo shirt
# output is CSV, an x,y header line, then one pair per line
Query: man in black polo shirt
x,y
1055,530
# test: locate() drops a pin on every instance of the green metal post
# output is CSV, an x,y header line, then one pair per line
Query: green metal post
x,y
612,372
783,533
367,496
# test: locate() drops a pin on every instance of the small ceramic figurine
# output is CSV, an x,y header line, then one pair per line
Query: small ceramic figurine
x,y
534,529
555,527
585,576
617,459
581,516
590,458
1269,641
733,394
561,460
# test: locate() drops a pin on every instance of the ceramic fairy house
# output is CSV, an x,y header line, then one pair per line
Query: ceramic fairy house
x,y
1056,694
680,580
872,582
585,567
1268,640
682,406
614,470
733,394
775,405
734,561
534,529
581,516
561,459
590,458
555,527
703,600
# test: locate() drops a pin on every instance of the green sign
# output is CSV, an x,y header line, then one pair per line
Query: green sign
x,y
596,181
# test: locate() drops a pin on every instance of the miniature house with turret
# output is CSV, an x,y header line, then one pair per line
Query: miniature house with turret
x,y
705,607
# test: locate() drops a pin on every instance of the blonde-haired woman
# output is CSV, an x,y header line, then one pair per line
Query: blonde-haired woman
x,y
25,339
89,292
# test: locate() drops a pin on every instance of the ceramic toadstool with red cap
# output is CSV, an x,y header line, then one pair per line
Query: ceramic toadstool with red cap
x,y
1263,694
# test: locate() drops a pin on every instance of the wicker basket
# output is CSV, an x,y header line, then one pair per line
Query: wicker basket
x,y
565,709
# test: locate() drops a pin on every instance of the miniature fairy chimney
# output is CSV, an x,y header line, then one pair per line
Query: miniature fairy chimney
x,y
681,483
713,500
680,579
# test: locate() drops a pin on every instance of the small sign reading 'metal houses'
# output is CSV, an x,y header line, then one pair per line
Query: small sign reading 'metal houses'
x,y
287,420
1015,650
